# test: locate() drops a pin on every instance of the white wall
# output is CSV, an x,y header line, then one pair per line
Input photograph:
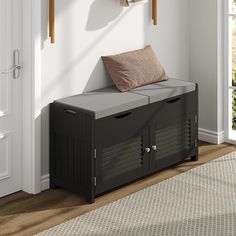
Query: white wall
x,y
170,38
206,65
85,30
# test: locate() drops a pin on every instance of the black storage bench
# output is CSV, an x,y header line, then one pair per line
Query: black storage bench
x,y
104,139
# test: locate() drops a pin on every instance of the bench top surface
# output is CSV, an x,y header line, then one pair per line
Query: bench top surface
x,y
165,89
108,101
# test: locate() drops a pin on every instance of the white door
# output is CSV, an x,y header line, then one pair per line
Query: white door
x,y
10,96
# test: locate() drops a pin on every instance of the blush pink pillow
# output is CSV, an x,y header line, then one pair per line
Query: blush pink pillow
x,y
134,69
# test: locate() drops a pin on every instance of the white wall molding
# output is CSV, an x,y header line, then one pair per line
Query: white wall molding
x,y
45,183
220,65
32,71
211,136
227,60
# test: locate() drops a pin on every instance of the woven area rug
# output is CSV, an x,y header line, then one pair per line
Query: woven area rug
x,y
199,202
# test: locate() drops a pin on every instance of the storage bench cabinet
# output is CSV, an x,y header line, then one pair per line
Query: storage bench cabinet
x,y
104,139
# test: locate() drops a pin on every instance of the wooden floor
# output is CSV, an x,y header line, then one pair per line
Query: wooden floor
x,y
24,214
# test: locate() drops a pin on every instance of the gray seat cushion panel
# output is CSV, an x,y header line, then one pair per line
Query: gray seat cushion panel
x,y
106,101
164,90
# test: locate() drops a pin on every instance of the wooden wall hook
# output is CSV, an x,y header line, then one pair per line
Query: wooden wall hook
x,y
52,20
154,11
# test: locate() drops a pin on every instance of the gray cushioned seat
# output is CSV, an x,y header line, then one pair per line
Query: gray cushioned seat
x,y
165,89
106,101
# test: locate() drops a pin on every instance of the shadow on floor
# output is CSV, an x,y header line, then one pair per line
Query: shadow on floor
x,y
22,202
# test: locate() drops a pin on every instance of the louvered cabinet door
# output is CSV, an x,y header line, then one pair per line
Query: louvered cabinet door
x,y
174,140
120,150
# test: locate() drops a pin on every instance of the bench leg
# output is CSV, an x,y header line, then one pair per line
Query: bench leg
x,y
194,158
53,186
90,199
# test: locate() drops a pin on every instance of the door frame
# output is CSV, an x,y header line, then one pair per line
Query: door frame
x,y
226,67
226,72
31,48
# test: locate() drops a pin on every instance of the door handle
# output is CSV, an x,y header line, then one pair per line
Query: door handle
x,y
68,111
173,100
123,115
12,69
16,67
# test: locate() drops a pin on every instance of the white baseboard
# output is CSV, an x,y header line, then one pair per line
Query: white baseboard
x,y
45,182
211,136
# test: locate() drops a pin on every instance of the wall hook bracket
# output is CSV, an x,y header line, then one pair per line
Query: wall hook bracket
x,y
154,12
130,3
52,20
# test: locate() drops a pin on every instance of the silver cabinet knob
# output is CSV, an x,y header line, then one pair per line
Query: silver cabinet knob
x,y
147,149
154,147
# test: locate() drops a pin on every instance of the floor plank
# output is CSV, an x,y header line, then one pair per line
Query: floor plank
x,y
24,214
